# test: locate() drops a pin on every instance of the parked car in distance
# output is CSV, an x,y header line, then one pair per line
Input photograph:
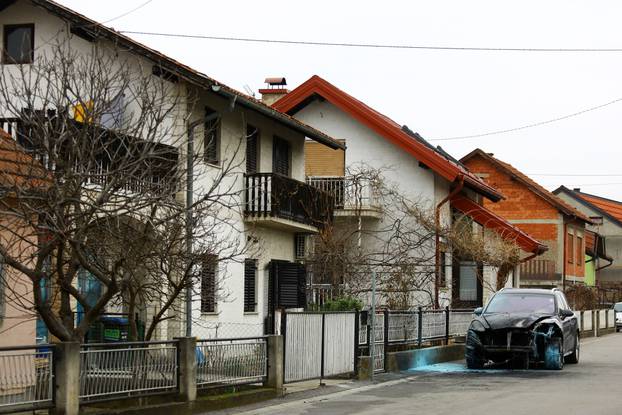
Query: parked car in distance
x,y
520,326
617,310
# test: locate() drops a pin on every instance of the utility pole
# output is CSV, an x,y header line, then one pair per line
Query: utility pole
x,y
372,337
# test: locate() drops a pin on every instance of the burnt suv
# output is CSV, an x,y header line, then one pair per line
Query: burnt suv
x,y
521,326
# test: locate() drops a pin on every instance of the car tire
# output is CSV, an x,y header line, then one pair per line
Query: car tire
x,y
574,356
473,351
554,354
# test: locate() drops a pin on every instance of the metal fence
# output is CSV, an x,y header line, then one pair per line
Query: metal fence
x,y
231,361
26,377
116,370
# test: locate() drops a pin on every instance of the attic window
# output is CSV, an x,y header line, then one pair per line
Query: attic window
x,y
18,44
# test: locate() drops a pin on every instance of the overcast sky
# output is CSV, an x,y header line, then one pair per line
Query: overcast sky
x,y
439,94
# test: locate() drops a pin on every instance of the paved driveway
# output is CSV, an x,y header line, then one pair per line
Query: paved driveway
x,y
591,387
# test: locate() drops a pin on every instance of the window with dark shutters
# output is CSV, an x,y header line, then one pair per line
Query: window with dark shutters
x,y
287,285
250,281
280,156
209,268
252,149
211,141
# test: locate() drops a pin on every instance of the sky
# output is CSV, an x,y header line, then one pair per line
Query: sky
x,y
438,93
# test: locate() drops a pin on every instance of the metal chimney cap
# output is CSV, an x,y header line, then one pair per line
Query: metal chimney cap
x,y
276,81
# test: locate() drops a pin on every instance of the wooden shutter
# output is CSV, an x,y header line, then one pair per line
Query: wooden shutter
x,y
250,290
252,148
211,143
280,156
289,279
208,284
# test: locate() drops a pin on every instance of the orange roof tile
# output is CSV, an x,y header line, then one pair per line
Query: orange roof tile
x,y
555,201
612,207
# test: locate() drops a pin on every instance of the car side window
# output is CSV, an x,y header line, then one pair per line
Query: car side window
x,y
561,302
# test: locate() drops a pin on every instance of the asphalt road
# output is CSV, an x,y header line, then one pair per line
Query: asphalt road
x,y
594,386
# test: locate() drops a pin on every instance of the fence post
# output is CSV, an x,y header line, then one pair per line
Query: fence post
x,y
582,327
420,326
446,325
186,348
357,329
386,339
594,329
276,363
322,354
66,378
597,322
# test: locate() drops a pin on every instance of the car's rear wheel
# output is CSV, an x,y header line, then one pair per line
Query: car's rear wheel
x,y
574,356
473,351
554,354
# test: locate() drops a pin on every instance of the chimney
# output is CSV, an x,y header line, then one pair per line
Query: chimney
x,y
274,90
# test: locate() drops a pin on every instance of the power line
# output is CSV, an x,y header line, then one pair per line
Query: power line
x,y
524,127
369,45
140,6
574,175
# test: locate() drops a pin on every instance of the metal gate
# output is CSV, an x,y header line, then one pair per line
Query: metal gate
x,y
318,345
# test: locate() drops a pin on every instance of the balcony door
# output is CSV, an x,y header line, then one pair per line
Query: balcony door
x,y
252,149
281,157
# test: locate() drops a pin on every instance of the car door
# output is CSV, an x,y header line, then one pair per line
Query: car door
x,y
569,324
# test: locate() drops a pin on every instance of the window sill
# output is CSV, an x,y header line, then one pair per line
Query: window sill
x,y
209,313
216,165
251,313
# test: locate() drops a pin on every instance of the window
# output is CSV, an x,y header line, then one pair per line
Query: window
x,y
209,268
252,149
19,43
299,246
570,248
211,140
468,281
250,285
442,283
580,252
280,156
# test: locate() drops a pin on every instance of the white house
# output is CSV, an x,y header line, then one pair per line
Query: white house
x,y
424,175
262,150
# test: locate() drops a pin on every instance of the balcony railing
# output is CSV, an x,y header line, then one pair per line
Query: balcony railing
x,y
162,167
538,270
270,195
348,192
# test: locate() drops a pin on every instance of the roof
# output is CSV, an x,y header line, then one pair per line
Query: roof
x,y
611,209
492,221
384,126
536,188
595,246
17,168
83,26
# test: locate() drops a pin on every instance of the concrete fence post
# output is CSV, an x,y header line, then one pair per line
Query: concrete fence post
x,y
187,368
597,325
276,363
66,357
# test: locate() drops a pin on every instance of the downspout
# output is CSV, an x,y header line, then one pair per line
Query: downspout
x,y
565,241
437,225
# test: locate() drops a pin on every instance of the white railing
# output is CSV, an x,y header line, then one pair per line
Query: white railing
x,y
109,370
26,377
231,361
348,192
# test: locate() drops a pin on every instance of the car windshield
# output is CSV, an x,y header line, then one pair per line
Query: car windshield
x,y
521,303
617,307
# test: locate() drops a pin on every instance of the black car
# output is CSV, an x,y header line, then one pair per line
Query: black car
x,y
520,326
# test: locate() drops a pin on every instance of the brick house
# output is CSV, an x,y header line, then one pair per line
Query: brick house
x,y
605,258
541,214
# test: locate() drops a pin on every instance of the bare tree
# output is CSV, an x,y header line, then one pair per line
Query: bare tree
x,y
102,166
400,246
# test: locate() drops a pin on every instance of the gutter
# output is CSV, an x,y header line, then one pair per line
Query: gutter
x,y
437,225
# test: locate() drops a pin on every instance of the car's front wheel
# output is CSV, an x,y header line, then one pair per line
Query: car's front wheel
x,y
473,351
554,354
574,356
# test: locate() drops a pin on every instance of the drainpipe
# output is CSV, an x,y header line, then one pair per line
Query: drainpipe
x,y
437,225
565,241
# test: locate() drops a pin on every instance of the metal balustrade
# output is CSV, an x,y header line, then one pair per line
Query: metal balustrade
x,y
26,377
231,361
116,370
348,192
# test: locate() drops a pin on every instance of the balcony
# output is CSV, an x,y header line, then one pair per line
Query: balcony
x,y
539,270
278,201
101,163
353,196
